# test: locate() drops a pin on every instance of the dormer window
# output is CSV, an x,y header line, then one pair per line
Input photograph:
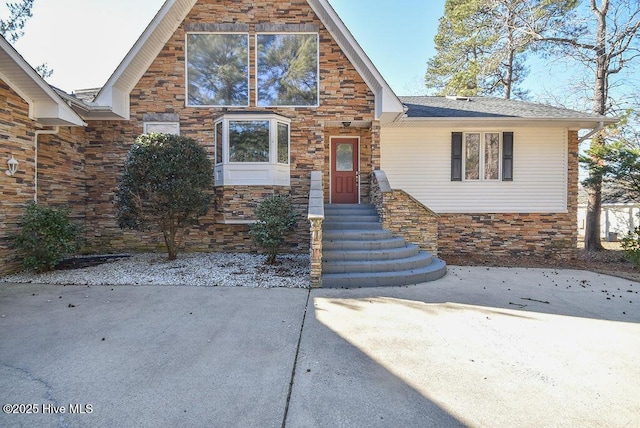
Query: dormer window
x,y
252,149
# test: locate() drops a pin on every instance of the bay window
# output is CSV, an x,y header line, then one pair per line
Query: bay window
x,y
252,149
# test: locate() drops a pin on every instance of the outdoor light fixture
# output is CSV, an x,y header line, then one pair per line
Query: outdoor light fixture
x,y
346,124
13,166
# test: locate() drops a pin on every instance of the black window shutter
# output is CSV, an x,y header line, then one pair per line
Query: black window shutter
x,y
456,156
507,156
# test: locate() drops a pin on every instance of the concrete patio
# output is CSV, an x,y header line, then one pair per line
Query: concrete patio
x,y
480,347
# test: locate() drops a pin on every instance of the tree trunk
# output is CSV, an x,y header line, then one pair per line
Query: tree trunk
x,y
592,226
600,93
511,56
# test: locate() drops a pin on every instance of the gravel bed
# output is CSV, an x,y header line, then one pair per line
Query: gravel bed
x,y
193,269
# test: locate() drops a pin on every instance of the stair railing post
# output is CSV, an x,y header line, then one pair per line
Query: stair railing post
x,y
316,217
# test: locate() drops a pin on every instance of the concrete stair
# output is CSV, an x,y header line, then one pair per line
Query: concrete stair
x,y
358,252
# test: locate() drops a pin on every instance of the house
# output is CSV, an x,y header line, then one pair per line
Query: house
x,y
619,215
285,101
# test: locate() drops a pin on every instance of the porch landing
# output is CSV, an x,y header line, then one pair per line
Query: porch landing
x,y
358,252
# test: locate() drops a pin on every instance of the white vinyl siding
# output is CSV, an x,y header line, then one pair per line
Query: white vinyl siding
x,y
418,161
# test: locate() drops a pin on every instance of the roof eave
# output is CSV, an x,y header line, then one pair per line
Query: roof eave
x,y
45,105
115,93
568,122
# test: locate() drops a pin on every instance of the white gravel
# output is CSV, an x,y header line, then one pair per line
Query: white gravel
x,y
193,269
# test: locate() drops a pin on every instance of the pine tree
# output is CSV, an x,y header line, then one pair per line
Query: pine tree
x,y
12,28
482,44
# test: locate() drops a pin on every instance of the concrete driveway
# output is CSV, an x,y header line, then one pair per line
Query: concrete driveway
x,y
480,347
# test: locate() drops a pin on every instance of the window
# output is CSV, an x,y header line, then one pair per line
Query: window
x,y
478,156
162,127
218,137
249,141
287,69
283,143
252,149
217,69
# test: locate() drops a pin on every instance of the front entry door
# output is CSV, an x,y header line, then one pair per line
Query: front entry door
x,y
344,170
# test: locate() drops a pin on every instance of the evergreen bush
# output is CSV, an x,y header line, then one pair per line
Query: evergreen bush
x,y
167,184
276,219
46,236
631,246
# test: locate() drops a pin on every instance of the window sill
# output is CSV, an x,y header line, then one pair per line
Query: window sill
x,y
252,174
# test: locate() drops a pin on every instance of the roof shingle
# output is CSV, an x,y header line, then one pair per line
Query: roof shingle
x,y
479,107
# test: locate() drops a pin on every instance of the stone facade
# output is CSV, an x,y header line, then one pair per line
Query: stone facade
x,y
344,96
542,234
60,173
404,215
17,133
81,167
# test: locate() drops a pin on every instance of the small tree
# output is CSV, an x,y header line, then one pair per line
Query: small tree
x,y
46,236
166,184
276,219
631,246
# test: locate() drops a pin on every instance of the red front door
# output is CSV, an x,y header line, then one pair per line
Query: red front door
x,y
344,170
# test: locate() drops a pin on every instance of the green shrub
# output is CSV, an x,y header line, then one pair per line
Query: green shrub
x,y
276,220
631,246
166,184
46,236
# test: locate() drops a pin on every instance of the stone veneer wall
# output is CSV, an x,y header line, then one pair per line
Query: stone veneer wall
x,y
404,215
540,234
60,170
16,132
344,96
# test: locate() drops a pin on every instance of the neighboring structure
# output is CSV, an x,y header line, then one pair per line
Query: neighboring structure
x,y
616,219
275,91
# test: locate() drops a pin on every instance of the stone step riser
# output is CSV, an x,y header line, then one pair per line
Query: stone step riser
x,y
352,226
355,235
422,260
434,271
375,245
369,255
351,219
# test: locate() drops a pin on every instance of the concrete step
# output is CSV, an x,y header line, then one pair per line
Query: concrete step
x,y
350,225
437,269
358,252
351,218
420,260
409,250
371,245
355,235
349,210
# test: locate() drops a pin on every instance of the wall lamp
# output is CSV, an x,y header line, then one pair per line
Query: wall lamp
x,y
346,124
13,166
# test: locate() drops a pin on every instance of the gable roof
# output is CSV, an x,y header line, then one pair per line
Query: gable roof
x,y
115,93
45,105
487,110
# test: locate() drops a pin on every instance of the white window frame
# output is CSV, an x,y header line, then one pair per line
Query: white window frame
x,y
481,158
257,97
186,69
175,125
272,172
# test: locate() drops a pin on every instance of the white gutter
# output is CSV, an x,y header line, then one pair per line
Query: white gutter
x,y
39,132
592,132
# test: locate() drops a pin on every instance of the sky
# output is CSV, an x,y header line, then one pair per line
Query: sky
x,y
83,41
